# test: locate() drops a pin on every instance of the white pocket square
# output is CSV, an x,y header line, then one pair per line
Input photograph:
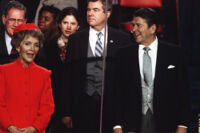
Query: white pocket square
x,y
170,67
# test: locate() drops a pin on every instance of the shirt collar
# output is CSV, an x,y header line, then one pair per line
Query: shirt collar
x,y
93,31
8,38
153,46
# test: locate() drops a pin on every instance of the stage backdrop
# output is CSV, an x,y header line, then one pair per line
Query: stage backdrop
x,y
141,3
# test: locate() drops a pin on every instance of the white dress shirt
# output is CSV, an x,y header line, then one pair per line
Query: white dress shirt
x,y
93,38
8,43
152,53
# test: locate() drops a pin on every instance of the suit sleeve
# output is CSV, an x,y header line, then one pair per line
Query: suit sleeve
x,y
184,95
46,106
66,91
5,120
66,98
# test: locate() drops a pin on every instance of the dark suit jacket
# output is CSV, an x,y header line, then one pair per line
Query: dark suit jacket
x,y
171,102
4,56
75,76
55,64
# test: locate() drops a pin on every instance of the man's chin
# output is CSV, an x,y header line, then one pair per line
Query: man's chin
x,y
138,41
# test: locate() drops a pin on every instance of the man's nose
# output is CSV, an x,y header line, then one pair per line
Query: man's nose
x,y
89,12
16,23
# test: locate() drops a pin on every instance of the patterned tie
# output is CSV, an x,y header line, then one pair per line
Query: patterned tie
x,y
147,67
13,51
98,47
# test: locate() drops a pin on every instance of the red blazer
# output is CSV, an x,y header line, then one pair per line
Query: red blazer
x,y
25,96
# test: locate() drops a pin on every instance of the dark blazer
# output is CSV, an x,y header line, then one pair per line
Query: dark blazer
x,y
4,57
55,64
171,102
75,77
3,48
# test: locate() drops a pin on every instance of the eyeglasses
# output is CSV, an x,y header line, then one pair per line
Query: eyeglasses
x,y
13,20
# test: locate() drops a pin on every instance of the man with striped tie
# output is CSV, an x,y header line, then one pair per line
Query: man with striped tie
x,y
83,73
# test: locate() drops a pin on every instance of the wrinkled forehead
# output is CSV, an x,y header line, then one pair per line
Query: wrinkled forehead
x,y
16,12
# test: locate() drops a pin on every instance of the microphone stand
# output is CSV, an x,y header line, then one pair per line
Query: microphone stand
x,y
103,68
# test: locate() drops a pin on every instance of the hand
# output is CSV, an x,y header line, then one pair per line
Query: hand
x,y
28,130
181,130
67,120
13,129
117,130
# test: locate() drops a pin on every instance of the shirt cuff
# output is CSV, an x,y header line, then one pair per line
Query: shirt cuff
x,y
182,126
117,126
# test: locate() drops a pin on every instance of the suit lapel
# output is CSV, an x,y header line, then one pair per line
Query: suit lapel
x,y
137,66
3,47
161,59
110,42
85,42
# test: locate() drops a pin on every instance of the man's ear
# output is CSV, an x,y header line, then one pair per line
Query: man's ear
x,y
108,14
3,19
153,28
25,20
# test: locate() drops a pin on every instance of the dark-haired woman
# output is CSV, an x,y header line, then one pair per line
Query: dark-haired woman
x,y
69,23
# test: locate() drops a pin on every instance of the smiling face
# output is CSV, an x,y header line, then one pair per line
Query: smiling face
x,y
68,25
96,15
28,50
143,34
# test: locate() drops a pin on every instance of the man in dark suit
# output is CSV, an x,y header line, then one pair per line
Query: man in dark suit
x,y
83,75
154,92
14,14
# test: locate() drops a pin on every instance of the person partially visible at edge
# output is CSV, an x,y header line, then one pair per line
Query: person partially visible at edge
x,y
26,101
13,15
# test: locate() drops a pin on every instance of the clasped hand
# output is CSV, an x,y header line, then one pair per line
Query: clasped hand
x,y
14,129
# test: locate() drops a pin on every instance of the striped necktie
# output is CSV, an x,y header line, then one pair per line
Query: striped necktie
x,y
98,46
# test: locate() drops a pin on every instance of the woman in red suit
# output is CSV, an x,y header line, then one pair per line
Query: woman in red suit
x,y
26,102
